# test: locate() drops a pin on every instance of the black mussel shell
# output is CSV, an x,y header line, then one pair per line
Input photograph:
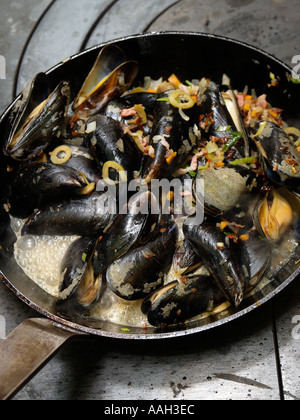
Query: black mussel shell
x,y
170,133
79,289
36,118
182,300
124,233
281,156
141,271
37,184
227,260
219,120
108,143
83,161
85,216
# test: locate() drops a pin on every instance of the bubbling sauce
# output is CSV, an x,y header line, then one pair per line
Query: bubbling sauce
x,y
40,257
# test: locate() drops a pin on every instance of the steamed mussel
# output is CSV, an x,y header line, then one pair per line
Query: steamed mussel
x,y
36,118
86,171
141,271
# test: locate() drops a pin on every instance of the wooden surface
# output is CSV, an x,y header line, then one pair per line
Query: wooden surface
x,y
256,357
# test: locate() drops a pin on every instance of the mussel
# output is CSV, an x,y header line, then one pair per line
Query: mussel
x,y
170,139
281,158
124,233
84,216
110,76
182,300
141,271
79,288
114,150
218,120
36,118
227,259
129,101
275,213
79,158
185,259
37,184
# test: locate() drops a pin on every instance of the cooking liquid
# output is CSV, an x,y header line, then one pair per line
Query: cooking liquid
x,y
40,258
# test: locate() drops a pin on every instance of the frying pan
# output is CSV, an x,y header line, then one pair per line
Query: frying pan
x,y
189,56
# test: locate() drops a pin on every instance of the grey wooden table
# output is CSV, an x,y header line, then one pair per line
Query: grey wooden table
x,y
256,357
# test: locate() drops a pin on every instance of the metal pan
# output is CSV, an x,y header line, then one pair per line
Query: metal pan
x,y
188,55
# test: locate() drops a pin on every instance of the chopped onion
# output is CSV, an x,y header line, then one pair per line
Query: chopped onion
x,y
183,115
61,155
294,132
178,96
118,168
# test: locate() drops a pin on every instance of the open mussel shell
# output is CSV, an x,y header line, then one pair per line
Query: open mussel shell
x,y
275,213
233,109
181,300
225,188
221,116
110,76
141,271
80,288
227,260
185,259
36,118
281,157
260,254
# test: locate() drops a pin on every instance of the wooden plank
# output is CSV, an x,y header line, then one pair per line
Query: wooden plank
x,y
271,25
128,18
287,312
232,362
59,35
16,23
70,22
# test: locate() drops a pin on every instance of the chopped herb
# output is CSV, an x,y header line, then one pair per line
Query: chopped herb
x,y
295,80
164,99
272,76
188,83
192,174
84,256
125,329
246,160
234,137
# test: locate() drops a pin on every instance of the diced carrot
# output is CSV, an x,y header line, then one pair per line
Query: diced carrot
x,y
274,114
248,98
219,164
224,225
246,106
151,91
174,80
245,237
298,148
170,196
171,158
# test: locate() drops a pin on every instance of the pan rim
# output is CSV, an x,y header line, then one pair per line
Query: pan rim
x,y
62,322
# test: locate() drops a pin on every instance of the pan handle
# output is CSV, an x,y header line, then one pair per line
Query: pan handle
x,y
26,350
